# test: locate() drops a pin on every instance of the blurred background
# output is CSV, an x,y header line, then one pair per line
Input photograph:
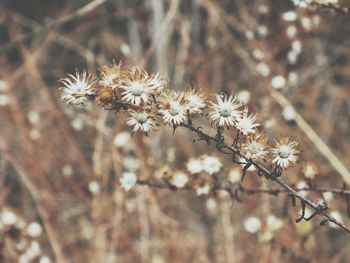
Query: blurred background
x,y
60,196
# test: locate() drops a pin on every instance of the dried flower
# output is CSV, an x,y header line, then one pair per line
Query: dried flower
x,y
256,147
302,3
245,122
225,112
128,180
141,121
173,108
158,82
285,152
112,76
137,88
203,190
196,101
235,175
77,87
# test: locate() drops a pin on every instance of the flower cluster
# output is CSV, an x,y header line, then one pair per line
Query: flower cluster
x,y
150,102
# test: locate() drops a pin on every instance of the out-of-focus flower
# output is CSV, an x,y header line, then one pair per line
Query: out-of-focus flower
x,y
121,139
256,147
173,108
310,170
302,185
94,187
263,69
128,180
179,179
203,190
141,121
226,111
8,217
77,87
245,123
274,223
288,113
195,101
243,96
194,166
337,216
34,229
235,175
252,224
112,76
278,82
285,152
211,164
289,16
302,3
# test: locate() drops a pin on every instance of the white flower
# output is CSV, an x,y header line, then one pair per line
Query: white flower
x,y
278,82
302,3
180,179
173,108
263,69
194,166
288,113
137,88
211,164
310,170
289,16
195,101
94,187
225,112
256,147
291,31
274,223
141,121
45,259
34,229
285,152
211,204
252,224
263,31
243,96
245,123
235,175
8,217
77,87
121,139
302,185
203,190
128,180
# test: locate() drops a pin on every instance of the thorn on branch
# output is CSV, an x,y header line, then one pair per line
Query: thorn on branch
x,y
245,169
302,216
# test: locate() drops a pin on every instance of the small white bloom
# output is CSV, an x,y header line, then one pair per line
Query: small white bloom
x,y
34,134
194,166
141,121
258,54
293,78
211,164
278,82
121,139
94,187
288,113
125,49
245,123
252,225
4,100
34,229
67,170
263,9
211,205
180,179
289,16
263,31
292,57
297,46
243,96
8,217
235,175
128,180
45,259
78,123
203,190
263,69
291,31
302,3
226,111
249,34
112,75
302,185
306,23
285,152
274,223
77,87
33,117
3,85
158,83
